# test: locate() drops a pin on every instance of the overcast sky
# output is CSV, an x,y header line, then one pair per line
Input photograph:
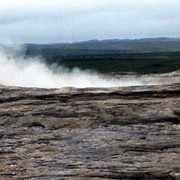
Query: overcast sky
x,y
50,21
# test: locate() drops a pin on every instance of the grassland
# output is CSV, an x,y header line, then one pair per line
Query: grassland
x,y
119,56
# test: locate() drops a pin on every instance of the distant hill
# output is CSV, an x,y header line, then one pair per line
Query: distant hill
x,y
104,47
148,55
159,39
94,41
142,56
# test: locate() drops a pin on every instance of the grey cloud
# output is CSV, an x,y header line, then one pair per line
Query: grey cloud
x,y
81,20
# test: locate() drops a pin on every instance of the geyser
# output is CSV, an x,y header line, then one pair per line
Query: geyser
x,y
18,70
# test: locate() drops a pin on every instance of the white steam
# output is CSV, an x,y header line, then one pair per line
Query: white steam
x,y
16,70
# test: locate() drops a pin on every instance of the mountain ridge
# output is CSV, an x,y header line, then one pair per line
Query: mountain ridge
x,y
91,41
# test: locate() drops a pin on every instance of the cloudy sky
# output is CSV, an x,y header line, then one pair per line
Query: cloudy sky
x,y
50,21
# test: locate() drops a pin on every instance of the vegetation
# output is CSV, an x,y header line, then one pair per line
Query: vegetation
x,y
140,56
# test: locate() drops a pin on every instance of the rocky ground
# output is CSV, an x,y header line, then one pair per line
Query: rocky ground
x,y
68,133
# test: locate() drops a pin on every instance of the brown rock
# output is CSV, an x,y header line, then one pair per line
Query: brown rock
x,y
116,133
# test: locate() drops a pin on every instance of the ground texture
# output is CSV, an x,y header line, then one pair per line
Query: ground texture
x,y
117,133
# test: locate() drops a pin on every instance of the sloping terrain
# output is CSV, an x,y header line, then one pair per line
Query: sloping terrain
x,y
68,133
142,56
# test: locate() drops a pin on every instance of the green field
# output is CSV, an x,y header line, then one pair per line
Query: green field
x,y
119,56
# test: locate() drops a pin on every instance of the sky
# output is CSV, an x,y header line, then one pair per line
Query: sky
x,y
57,21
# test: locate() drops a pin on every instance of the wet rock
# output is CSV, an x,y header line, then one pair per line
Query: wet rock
x,y
69,133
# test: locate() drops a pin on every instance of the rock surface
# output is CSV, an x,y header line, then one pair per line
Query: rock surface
x,y
68,133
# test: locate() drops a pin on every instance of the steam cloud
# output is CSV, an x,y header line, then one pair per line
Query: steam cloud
x,y
18,70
